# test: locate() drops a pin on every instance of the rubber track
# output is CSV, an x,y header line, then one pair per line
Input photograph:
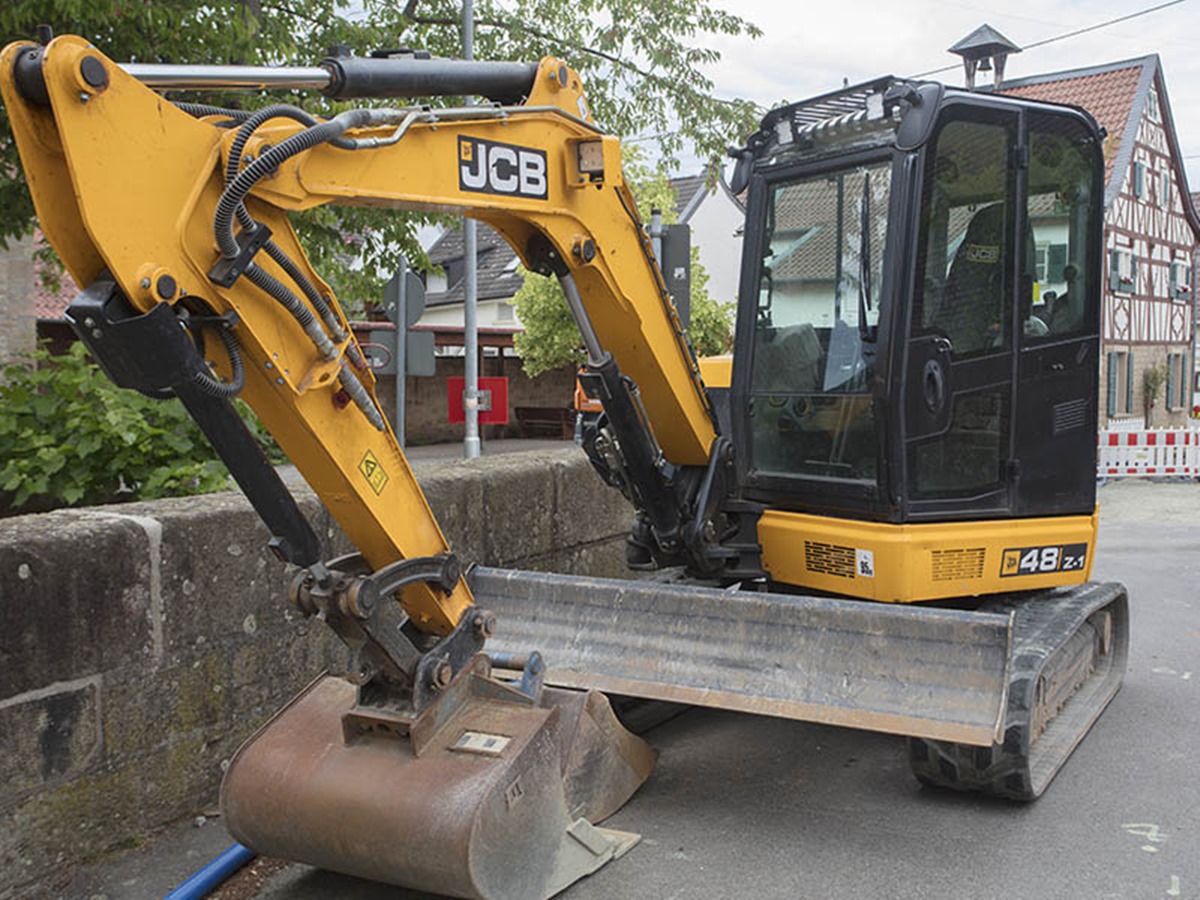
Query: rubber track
x,y
1021,767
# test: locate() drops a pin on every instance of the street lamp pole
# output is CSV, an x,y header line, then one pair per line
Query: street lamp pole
x,y
471,443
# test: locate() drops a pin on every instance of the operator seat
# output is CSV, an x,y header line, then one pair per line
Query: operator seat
x,y
972,309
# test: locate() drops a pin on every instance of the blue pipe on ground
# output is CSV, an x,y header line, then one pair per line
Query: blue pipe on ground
x,y
209,878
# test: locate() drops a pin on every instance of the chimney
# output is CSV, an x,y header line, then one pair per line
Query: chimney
x,y
984,50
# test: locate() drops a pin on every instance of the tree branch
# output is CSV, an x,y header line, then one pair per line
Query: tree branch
x,y
510,27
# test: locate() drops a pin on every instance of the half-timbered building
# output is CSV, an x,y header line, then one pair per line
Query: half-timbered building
x,y
1148,359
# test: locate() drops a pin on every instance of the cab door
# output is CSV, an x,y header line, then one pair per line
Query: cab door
x,y
1058,364
960,362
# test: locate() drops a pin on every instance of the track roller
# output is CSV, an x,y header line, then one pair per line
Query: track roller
x,y
1069,653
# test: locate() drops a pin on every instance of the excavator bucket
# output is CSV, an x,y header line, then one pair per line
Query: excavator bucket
x,y
488,793
934,673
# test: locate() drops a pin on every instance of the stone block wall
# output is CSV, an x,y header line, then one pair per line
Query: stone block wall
x,y
141,644
18,320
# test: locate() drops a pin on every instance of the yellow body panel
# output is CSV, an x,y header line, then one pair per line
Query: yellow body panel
x,y
717,371
909,563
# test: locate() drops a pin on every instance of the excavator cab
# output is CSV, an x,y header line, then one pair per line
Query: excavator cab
x,y
918,338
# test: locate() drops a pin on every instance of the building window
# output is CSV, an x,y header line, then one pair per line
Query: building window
x,y
1120,383
1181,280
1178,381
1152,106
1051,260
1122,271
1139,179
1164,190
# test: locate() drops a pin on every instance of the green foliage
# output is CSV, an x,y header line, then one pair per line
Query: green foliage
x,y
1153,379
68,436
711,326
638,60
551,338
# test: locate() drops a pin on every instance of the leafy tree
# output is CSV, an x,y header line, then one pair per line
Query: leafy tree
x,y
69,436
551,338
639,61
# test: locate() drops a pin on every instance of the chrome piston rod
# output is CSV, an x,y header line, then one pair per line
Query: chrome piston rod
x,y
239,78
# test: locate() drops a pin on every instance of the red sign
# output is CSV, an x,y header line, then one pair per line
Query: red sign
x,y
493,400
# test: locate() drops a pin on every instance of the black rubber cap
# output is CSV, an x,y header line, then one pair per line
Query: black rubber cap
x,y
93,72
166,287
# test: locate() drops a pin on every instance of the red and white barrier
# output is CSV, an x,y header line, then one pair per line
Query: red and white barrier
x,y
1149,451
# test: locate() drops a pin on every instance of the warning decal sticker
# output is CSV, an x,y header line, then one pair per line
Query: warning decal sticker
x,y
376,476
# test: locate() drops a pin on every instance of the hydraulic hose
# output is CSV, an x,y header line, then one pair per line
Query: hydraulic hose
x,y
249,125
237,377
235,193
263,279
214,873
199,110
310,291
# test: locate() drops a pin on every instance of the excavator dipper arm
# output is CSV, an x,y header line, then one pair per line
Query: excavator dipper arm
x,y
196,286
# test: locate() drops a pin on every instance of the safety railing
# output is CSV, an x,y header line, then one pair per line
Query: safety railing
x,y
1148,452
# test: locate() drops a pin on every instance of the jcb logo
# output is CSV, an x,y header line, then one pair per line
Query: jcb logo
x,y
486,167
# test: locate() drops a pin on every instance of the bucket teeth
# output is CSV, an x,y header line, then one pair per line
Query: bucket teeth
x,y
489,795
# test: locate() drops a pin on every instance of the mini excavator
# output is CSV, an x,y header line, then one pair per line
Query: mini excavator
x,y
881,508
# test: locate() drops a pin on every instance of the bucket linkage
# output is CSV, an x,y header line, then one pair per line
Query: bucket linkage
x,y
423,769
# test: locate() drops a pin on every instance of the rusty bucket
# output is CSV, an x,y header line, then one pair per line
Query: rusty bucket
x,y
487,793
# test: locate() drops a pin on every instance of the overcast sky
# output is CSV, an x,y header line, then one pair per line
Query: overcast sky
x,y
809,47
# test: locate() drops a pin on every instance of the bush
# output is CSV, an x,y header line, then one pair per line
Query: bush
x,y
69,437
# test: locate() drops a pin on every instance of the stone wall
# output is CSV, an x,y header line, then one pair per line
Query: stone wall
x,y
18,321
140,644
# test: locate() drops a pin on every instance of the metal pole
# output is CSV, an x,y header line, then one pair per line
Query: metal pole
x,y
656,233
471,443
401,348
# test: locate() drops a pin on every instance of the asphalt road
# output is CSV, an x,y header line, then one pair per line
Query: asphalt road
x,y
742,806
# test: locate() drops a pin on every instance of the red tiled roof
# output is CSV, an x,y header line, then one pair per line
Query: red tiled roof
x,y
1107,95
49,304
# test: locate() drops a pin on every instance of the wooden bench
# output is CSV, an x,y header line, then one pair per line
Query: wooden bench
x,y
546,421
